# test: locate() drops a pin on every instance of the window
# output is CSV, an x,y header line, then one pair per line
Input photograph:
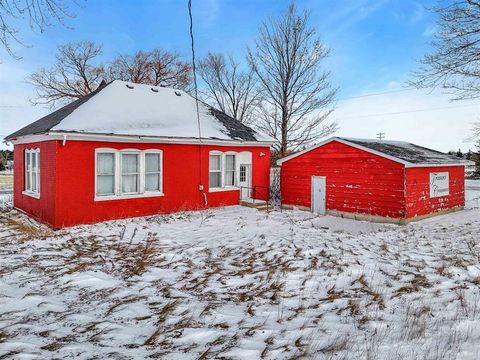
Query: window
x,y
105,173
152,171
32,172
222,170
243,173
128,173
229,170
215,171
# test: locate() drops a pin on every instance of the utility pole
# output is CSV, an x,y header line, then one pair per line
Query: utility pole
x,y
380,135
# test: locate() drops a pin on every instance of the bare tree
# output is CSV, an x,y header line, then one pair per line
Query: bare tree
x,y
169,70
134,68
455,62
297,96
229,88
74,75
39,13
157,67
78,71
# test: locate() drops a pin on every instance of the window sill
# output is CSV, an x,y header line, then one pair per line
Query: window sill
x,y
129,196
31,194
226,188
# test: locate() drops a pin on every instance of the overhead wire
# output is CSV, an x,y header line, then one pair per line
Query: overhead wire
x,y
200,173
407,111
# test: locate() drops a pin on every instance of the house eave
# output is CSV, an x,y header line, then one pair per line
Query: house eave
x,y
67,136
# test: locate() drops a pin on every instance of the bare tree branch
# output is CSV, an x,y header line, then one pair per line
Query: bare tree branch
x,y
455,62
296,93
229,88
78,71
157,67
74,75
40,14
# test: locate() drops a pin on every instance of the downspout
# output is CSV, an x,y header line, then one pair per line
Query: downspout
x,y
64,139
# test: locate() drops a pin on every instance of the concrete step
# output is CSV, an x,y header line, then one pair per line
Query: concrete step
x,y
265,208
258,204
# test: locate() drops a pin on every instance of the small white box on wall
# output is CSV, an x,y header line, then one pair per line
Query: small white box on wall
x,y
439,184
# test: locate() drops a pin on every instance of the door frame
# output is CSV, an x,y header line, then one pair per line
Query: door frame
x,y
312,197
248,178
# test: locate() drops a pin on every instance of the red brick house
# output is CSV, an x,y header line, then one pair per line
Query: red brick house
x,y
133,150
390,181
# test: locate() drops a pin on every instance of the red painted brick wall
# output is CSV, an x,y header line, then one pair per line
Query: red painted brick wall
x,y
418,201
181,172
42,209
357,181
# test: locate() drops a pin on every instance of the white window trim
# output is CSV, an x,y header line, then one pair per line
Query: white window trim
x,y
140,173
215,153
28,192
223,156
118,175
142,178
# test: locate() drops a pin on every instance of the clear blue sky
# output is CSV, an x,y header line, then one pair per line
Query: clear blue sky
x,y
374,47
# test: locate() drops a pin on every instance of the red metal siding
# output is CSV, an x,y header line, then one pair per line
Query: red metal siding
x,y
42,209
418,201
181,171
357,181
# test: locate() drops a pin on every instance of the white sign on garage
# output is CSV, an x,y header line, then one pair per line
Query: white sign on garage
x,y
439,184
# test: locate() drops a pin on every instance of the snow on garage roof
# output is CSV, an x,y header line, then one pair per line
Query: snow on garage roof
x,y
410,155
123,108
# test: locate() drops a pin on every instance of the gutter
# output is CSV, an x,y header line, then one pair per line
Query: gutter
x,y
61,135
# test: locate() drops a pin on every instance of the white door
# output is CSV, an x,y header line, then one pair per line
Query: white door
x,y
318,194
245,181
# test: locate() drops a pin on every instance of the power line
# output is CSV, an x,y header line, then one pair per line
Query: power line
x,y
380,135
408,111
376,94
200,171
193,68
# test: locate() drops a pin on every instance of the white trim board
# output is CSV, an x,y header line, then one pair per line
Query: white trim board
x,y
407,164
66,136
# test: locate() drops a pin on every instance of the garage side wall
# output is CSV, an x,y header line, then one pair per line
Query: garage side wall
x,y
419,202
357,181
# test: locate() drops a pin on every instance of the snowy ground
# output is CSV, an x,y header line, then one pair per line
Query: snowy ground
x,y
239,283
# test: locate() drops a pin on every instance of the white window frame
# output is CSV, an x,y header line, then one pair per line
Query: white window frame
x,y
160,172
31,173
118,195
223,171
115,176
220,171
138,172
235,182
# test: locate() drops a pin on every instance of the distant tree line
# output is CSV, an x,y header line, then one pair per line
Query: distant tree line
x,y
470,155
280,86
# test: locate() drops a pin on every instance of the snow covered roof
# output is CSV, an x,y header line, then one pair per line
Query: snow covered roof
x,y
410,155
122,108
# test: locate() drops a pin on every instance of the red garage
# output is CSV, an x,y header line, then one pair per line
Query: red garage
x,y
133,150
378,180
